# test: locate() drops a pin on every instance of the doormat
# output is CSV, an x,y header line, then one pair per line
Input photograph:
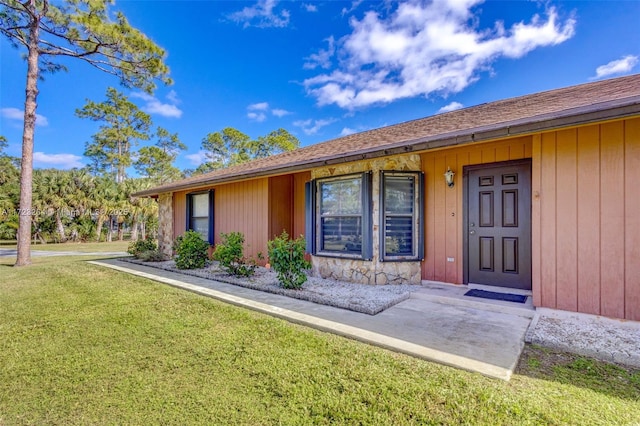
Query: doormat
x,y
496,296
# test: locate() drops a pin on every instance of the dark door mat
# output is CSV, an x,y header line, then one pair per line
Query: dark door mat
x,y
496,296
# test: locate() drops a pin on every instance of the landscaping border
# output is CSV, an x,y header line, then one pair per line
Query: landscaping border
x,y
367,299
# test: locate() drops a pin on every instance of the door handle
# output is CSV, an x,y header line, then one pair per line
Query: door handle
x,y
472,232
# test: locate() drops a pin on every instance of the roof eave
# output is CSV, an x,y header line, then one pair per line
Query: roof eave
x,y
618,109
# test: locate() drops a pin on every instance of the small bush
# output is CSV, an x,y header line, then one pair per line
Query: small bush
x,y
151,256
230,254
287,259
191,251
137,247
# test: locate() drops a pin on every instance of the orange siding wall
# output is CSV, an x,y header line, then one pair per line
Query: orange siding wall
x,y
244,207
179,213
632,219
299,179
444,207
280,205
259,208
586,243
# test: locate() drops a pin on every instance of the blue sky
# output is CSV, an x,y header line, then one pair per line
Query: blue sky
x,y
323,69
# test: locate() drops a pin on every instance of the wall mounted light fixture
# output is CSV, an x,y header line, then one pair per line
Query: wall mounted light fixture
x,y
448,177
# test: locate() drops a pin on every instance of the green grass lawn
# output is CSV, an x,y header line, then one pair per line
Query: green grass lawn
x,y
82,344
79,247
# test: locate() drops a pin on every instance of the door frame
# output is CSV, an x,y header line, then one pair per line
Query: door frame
x,y
465,207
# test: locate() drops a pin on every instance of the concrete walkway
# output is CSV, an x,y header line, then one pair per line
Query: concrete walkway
x,y
435,324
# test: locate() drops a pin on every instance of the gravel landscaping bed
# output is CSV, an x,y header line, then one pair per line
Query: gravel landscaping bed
x,y
607,339
368,299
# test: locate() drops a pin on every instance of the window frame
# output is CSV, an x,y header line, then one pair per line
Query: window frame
x,y
417,217
190,218
365,215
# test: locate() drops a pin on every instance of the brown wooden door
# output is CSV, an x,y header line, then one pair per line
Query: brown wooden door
x,y
498,224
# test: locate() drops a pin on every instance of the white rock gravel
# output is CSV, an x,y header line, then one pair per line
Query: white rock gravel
x,y
368,299
598,337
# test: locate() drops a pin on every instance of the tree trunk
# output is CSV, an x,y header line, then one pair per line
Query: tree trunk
x,y
26,169
99,226
120,232
134,230
120,175
110,231
60,227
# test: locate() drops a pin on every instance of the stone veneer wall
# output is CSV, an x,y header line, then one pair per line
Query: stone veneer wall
x,y
165,224
373,271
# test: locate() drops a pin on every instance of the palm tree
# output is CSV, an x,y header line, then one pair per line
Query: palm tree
x,y
52,189
102,202
80,200
9,192
140,209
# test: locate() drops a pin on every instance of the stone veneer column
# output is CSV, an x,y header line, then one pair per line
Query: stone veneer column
x,y
374,271
165,224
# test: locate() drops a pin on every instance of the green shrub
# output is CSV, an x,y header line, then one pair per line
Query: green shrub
x,y
287,259
230,254
191,251
151,256
137,247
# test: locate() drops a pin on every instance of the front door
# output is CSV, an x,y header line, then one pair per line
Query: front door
x,y
498,224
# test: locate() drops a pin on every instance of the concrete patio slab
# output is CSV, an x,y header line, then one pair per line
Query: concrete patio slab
x,y
472,335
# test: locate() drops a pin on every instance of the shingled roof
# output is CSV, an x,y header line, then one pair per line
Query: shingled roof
x,y
570,106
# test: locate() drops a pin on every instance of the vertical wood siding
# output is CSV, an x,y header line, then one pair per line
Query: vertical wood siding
x,y
299,179
547,209
280,205
566,220
588,196
244,207
259,208
587,243
179,213
632,219
535,217
444,205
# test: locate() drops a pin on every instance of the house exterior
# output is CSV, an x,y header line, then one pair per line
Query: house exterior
x,y
544,195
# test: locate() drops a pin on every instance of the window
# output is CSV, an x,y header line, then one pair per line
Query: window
x,y
200,214
401,230
342,216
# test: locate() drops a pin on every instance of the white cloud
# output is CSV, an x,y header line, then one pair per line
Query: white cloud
x,y
280,112
154,106
197,158
258,111
18,115
257,116
310,7
311,127
423,48
618,66
321,59
451,107
62,161
261,106
173,97
354,6
262,15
